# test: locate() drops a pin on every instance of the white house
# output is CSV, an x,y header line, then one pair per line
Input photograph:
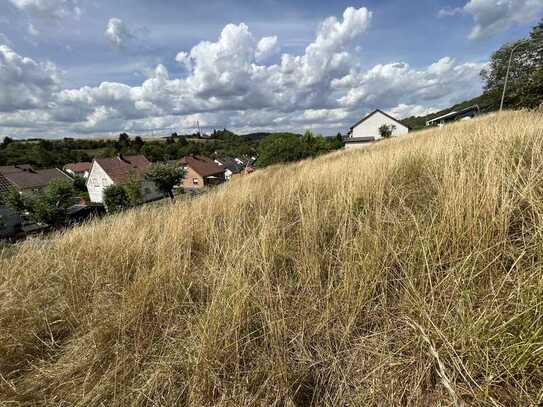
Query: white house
x,y
119,171
366,131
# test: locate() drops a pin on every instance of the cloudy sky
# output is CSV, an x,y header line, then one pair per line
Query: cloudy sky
x,y
86,68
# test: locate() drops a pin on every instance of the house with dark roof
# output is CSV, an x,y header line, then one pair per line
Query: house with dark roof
x,y
236,166
24,178
367,130
81,169
120,170
201,172
231,166
464,114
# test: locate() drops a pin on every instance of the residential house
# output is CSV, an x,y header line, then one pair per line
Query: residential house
x,y
24,178
464,114
119,171
81,169
231,166
367,130
201,172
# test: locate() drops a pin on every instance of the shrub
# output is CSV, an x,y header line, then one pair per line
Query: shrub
x,y
115,198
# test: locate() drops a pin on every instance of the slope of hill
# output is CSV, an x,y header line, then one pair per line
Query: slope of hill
x,y
409,273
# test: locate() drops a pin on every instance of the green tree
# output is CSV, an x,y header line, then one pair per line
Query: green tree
x,y
115,199
165,177
48,207
526,56
530,94
61,193
80,184
138,143
133,191
386,130
14,199
7,141
124,139
182,140
338,141
281,148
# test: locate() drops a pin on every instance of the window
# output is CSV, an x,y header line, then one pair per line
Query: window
x,y
195,181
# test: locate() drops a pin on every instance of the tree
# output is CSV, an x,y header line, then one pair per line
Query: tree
x,y
530,94
133,191
14,199
386,130
80,184
165,177
115,198
526,63
124,139
48,207
338,141
61,193
182,141
7,141
138,143
281,148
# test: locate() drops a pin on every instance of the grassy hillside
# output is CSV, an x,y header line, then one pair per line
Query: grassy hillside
x,y
406,274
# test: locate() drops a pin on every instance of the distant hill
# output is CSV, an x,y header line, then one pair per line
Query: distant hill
x,y
488,102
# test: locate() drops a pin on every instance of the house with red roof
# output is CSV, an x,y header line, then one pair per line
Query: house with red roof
x,y
201,172
81,169
120,170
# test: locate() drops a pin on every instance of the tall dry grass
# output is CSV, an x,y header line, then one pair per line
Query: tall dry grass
x,y
409,273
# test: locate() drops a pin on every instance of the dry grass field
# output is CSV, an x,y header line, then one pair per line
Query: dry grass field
x,y
410,273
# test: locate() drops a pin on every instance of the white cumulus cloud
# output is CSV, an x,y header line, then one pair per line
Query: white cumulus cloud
x,y
266,47
229,82
49,9
118,33
25,83
494,16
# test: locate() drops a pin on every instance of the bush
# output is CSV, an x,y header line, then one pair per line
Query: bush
x,y
115,198
281,148
133,192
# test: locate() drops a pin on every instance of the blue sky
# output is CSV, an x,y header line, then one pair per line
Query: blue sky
x,y
96,68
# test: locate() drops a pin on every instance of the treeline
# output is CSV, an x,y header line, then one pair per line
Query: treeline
x,y
525,84
287,147
272,147
57,153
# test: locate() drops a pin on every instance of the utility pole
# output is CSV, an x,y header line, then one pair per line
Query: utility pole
x,y
507,73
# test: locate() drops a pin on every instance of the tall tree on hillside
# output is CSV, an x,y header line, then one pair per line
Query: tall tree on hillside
x,y
527,58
